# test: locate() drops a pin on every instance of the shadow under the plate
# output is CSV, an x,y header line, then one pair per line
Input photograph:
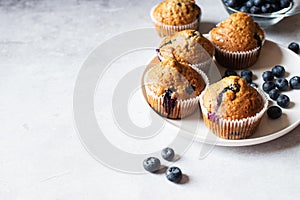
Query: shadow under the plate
x,y
290,140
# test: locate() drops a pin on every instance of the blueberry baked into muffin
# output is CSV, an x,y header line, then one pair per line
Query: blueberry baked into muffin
x,y
232,108
238,41
173,88
171,16
188,46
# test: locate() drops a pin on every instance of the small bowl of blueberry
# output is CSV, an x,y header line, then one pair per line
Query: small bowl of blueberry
x,y
265,12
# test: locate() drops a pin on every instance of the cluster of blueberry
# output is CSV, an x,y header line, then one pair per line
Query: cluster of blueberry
x,y
258,6
274,88
152,164
271,87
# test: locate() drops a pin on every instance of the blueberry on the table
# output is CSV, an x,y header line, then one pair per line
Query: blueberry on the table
x,y
174,174
294,47
274,94
230,72
283,101
247,78
253,85
268,76
295,82
151,164
282,84
274,112
278,71
246,72
268,86
167,154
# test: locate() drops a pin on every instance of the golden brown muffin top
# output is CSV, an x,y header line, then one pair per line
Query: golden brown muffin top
x,y
232,98
237,33
181,79
188,46
177,12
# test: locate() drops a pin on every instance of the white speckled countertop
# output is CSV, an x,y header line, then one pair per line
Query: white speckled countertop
x,y
42,47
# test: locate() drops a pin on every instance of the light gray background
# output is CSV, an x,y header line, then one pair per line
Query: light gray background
x,y
42,47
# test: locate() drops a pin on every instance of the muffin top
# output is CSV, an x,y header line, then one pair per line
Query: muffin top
x,y
187,46
177,12
178,80
237,33
232,98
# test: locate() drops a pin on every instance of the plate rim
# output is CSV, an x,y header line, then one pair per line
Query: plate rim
x,y
250,141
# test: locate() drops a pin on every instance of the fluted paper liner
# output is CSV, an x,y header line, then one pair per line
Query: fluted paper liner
x,y
165,30
234,129
237,60
183,108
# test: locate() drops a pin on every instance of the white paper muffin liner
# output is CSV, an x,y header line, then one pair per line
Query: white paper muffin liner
x,y
183,108
165,30
236,60
234,129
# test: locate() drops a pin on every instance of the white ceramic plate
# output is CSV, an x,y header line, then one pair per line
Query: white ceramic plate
x,y
272,54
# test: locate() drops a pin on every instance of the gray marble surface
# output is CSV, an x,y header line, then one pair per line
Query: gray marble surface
x,y
43,45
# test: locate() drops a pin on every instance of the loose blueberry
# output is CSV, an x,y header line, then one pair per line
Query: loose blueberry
x,y
253,85
247,78
167,154
246,72
282,84
151,164
283,101
274,94
294,47
268,76
274,112
278,71
295,82
230,72
268,86
174,174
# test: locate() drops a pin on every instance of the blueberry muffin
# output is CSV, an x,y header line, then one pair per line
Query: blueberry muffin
x,y
232,109
188,46
171,16
238,41
173,88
